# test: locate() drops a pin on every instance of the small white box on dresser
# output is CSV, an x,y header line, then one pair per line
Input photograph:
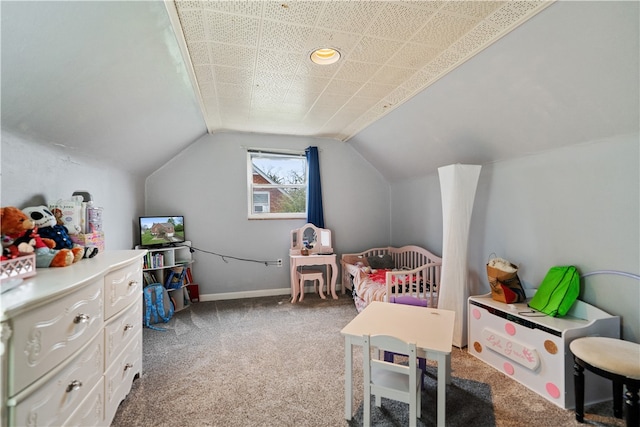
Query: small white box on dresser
x,y
533,349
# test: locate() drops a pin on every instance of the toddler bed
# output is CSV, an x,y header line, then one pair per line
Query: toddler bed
x,y
390,274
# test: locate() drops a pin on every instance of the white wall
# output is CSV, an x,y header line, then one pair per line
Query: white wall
x,y
35,173
207,183
578,205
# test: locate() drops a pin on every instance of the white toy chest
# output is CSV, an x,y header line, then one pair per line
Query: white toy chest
x,y
534,349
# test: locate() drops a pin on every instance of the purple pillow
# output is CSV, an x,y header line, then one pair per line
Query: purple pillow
x,y
409,300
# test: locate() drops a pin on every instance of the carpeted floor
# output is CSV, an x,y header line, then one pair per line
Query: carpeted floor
x,y
267,362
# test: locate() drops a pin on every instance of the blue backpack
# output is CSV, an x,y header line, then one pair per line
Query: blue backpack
x,y
157,306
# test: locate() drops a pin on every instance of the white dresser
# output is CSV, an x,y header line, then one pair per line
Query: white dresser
x,y
71,342
534,350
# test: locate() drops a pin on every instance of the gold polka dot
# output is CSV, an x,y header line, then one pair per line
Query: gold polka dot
x,y
551,347
477,346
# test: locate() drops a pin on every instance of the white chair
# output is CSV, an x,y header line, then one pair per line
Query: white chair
x,y
316,276
390,380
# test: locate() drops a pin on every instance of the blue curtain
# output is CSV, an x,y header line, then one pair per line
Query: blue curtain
x,y
315,215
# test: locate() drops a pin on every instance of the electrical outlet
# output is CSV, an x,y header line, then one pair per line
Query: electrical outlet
x,y
279,264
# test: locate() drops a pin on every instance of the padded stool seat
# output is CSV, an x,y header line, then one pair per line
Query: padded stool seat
x,y
610,358
304,275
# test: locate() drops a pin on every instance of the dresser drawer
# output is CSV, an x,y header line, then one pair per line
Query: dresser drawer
x,y
44,338
121,330
121,288
119,377
91,410
53,403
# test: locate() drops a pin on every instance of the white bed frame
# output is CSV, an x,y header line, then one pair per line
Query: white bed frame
x,y
415,266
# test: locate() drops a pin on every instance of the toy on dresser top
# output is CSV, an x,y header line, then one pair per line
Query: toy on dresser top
x,y
19,238
49,227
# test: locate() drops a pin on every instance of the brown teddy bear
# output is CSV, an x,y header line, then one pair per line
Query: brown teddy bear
x,y
20,238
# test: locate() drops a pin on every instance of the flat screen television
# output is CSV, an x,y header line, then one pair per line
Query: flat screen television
x,y
161,230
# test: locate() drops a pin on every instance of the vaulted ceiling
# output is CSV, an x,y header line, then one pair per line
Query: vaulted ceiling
x,y
252,68
420,83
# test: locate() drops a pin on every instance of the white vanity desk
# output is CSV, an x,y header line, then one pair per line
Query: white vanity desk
x,y
320,252
71,342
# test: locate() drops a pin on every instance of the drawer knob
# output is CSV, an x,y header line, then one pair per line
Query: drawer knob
x,y
128,326
127,367
73,385
133,283
81,318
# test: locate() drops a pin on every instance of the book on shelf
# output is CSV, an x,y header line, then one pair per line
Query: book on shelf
x,y
149,278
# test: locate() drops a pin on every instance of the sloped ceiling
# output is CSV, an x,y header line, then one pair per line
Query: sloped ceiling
x,y
251,59
109,79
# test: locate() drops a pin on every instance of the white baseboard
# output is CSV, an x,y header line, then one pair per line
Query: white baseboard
x,y
255,294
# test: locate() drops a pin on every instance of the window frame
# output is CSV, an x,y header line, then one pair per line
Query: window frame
x,y
265,187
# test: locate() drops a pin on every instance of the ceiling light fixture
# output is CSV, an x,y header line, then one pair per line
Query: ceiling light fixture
x,y
325,56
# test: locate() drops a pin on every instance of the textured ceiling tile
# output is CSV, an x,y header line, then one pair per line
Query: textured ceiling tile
x,y
356,71
249,8
512,12
264,97
374,50
418,81
199,52
444,29
232,29
351,16
287,37
233,56
411,19
207,89
296,12
228,90
476,9
414,56
233,75
203,73
331,101
345,87
308,83
308,68
375,90
343,42
476,39
192,22
359,103
182,5
393,75
273,81
278,61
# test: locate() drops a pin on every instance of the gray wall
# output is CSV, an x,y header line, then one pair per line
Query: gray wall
x,y
578,205
35,173
208,184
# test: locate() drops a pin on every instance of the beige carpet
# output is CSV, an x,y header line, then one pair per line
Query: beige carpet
x,y
267,362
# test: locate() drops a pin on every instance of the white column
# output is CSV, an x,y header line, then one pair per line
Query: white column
x,y
458,186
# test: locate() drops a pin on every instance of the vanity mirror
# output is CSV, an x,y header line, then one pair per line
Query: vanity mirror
x,y
316,240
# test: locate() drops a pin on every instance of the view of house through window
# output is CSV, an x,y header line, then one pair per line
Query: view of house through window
x,y
277,184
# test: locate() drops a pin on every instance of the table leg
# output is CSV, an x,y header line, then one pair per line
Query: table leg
x,y
334,277
443,367
348,380
294,288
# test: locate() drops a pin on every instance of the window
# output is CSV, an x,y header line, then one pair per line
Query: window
x,y
277,183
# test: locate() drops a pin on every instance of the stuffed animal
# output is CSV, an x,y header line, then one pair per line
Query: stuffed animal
x,y
49,228
21,238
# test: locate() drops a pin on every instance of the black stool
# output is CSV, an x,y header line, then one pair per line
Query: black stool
x,y
610,358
